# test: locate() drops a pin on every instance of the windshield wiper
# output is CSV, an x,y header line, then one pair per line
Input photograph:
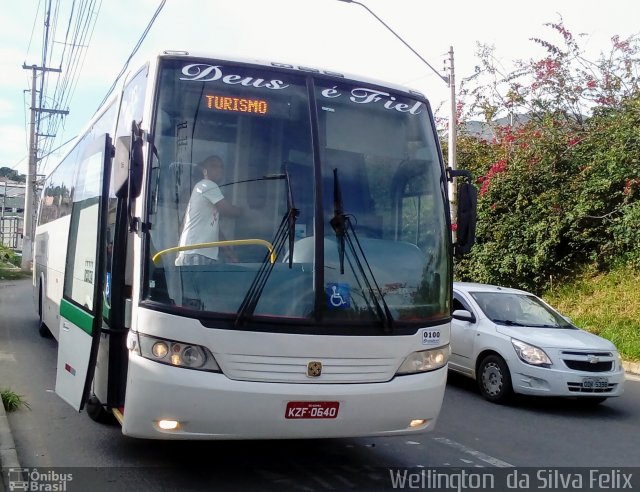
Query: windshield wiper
x,y
507,322
344,230
286,229
266,177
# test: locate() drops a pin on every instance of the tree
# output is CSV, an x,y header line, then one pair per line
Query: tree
x,y
11,174
559,189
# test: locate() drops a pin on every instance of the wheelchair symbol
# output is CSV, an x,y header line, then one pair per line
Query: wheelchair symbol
x,y
338,295
336,298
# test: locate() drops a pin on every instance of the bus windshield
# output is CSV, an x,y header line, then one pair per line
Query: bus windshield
x,y
250,166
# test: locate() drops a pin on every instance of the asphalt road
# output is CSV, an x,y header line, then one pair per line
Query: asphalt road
x,y
471,433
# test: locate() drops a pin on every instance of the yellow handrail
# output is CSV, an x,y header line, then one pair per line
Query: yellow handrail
x,y
235,242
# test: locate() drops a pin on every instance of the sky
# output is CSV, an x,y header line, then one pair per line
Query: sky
x,y
328,34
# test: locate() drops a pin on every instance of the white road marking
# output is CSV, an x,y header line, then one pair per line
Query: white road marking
x,y
7,356
631,377
476,454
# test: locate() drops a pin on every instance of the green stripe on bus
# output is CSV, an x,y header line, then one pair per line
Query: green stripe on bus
x,y
77,316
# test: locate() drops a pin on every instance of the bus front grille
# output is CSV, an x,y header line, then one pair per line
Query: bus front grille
x,y
245,367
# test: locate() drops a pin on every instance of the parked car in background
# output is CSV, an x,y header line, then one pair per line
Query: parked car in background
x,y
510,341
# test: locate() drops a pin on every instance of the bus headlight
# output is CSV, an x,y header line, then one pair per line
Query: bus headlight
x,y
424,361
175,353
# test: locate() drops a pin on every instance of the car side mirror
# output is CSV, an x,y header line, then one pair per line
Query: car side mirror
x,y
463,315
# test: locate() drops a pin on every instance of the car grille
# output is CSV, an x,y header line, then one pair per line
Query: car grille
x,y
588,361
580,365
577,388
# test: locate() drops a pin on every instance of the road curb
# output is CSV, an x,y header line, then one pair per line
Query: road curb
x,y
631,367
8,454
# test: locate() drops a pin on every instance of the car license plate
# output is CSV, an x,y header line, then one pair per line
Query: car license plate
x,y
595,383
312,410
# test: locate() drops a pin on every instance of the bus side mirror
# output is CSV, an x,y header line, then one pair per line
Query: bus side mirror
x,y
135,161
127,163
467,211
121,166
467,218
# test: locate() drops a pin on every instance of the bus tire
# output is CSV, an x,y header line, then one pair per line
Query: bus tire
x,y
97,412
42,327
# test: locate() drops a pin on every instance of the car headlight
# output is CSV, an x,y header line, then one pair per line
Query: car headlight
x,y
619,360
424,361
172,352
531,354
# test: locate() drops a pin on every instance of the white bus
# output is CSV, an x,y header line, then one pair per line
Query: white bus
x,y
327,311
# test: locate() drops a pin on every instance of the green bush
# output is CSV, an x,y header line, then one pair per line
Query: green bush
x,y
7,256
558,191
12,401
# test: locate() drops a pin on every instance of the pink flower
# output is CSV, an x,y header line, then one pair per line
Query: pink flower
x,y
574,141
496,168
629,185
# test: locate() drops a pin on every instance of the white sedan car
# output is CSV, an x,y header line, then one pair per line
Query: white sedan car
x,y
511,341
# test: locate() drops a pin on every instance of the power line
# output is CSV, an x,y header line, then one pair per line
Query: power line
x,y
135,50
18,163
82,19
58,147
33,28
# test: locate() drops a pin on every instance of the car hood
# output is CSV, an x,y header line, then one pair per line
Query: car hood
x,y
561,338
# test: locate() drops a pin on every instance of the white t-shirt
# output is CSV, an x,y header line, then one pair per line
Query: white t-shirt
x,y
201,220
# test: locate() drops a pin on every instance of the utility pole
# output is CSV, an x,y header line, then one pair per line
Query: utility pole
x,y
4,197
4,202
30,192
453,133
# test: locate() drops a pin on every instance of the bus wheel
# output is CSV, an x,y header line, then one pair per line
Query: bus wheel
x,y
42,327
98,412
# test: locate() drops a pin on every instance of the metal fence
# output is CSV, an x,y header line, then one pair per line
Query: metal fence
x,y
11,232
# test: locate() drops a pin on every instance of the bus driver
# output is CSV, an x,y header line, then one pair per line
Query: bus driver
x,y
202,218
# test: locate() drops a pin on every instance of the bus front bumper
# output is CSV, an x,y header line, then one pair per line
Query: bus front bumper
x,y
210,406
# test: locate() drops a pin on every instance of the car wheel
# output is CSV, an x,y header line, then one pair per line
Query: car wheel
x,y
494,379
42,328
97,412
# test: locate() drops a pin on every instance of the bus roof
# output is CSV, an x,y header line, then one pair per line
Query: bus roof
x,y
291,66
286,66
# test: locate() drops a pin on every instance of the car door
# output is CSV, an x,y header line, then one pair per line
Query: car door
x,y
463,335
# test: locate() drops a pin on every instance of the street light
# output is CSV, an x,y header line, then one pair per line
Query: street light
x,y
451,83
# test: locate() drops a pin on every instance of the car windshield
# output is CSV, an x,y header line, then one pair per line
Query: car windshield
x,y
519,310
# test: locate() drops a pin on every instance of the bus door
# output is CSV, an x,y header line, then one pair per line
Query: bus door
x,y
81,305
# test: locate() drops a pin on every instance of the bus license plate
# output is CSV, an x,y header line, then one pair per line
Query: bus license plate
x,y
312,410
595,383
